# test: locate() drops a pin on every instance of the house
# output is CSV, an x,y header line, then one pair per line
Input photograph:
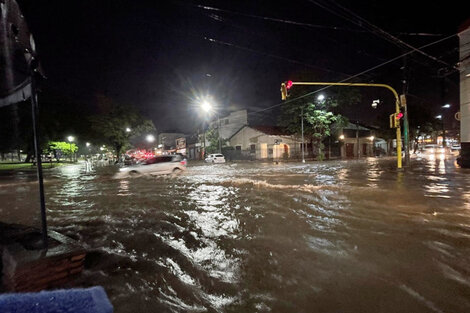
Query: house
x,y
357,141
262,142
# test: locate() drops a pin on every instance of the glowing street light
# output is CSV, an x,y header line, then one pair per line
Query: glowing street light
x,y
70,138
439,116
206,106
88,144
371,138
321,97
341,137
446,106
128,130
150,138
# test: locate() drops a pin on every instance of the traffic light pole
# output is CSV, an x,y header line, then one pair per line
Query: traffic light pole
x,y
397,106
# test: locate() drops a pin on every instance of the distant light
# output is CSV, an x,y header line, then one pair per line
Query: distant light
x,y
399,115
208,75
128,129
289,84
321,97
446,106
101,148
160,145
375,103
439,116
70,138
468,75
88,144
150,138
341,137
371,138
206,106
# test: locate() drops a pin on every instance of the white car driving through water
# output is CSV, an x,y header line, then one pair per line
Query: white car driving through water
x,y
158,165
215,158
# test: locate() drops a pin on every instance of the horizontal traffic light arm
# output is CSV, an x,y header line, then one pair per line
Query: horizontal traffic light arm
x,y
397,99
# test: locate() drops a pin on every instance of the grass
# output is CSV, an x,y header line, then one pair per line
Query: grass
x,y
26,166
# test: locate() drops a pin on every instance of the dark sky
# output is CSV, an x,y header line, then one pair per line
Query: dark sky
x,y
158,55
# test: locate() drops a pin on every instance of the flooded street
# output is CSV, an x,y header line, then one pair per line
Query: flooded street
x,y
338,236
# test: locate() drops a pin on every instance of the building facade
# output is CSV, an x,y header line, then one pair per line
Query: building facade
x,y
262,143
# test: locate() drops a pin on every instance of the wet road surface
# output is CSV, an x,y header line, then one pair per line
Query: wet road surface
x,y
339,236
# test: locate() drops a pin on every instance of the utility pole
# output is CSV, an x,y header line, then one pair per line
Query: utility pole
x,y
405,115
302,123
218,133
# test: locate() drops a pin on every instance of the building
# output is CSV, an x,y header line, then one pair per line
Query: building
x,y
262,142
168,140
357,141
230,124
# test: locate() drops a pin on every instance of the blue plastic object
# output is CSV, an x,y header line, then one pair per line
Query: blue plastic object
x,y
90,300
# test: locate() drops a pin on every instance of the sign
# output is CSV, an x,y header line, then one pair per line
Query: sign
x,y
403,101
181,143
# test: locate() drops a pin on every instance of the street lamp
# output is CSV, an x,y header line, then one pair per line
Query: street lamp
x,y
341,137
88,144
208,107
128,130
446,106
150,138
70,138
321,97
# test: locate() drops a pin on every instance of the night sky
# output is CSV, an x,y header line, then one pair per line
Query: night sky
x,y
157,55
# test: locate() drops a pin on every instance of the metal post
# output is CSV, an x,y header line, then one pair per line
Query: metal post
x,y
358,150
35,111
218,132
302,123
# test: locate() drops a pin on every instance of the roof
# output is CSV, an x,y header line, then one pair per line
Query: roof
x,y
265,129
271,130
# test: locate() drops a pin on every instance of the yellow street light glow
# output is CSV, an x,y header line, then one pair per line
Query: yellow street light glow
x,y
341,137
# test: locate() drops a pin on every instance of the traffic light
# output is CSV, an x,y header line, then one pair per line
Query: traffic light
x,y
395,119
285,86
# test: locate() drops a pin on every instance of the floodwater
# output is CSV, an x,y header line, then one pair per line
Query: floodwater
x,y
338,236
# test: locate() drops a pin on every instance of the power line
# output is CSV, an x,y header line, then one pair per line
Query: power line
x,y
272,55
308,25
356,75
373,28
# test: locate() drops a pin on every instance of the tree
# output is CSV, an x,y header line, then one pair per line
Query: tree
x,y
62,148
212,136
319,115
110,126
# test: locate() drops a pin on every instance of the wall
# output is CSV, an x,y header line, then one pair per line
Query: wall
x,y
265,145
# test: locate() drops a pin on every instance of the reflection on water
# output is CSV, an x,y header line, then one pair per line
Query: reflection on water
x,y
342,236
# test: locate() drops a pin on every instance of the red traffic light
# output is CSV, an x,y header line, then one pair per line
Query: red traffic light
x,y
289,84
399,116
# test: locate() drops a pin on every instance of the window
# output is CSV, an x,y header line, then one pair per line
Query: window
x,y
252,148
238,148
226,121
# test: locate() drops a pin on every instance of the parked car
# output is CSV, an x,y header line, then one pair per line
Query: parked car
x,y
158,165
215,158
